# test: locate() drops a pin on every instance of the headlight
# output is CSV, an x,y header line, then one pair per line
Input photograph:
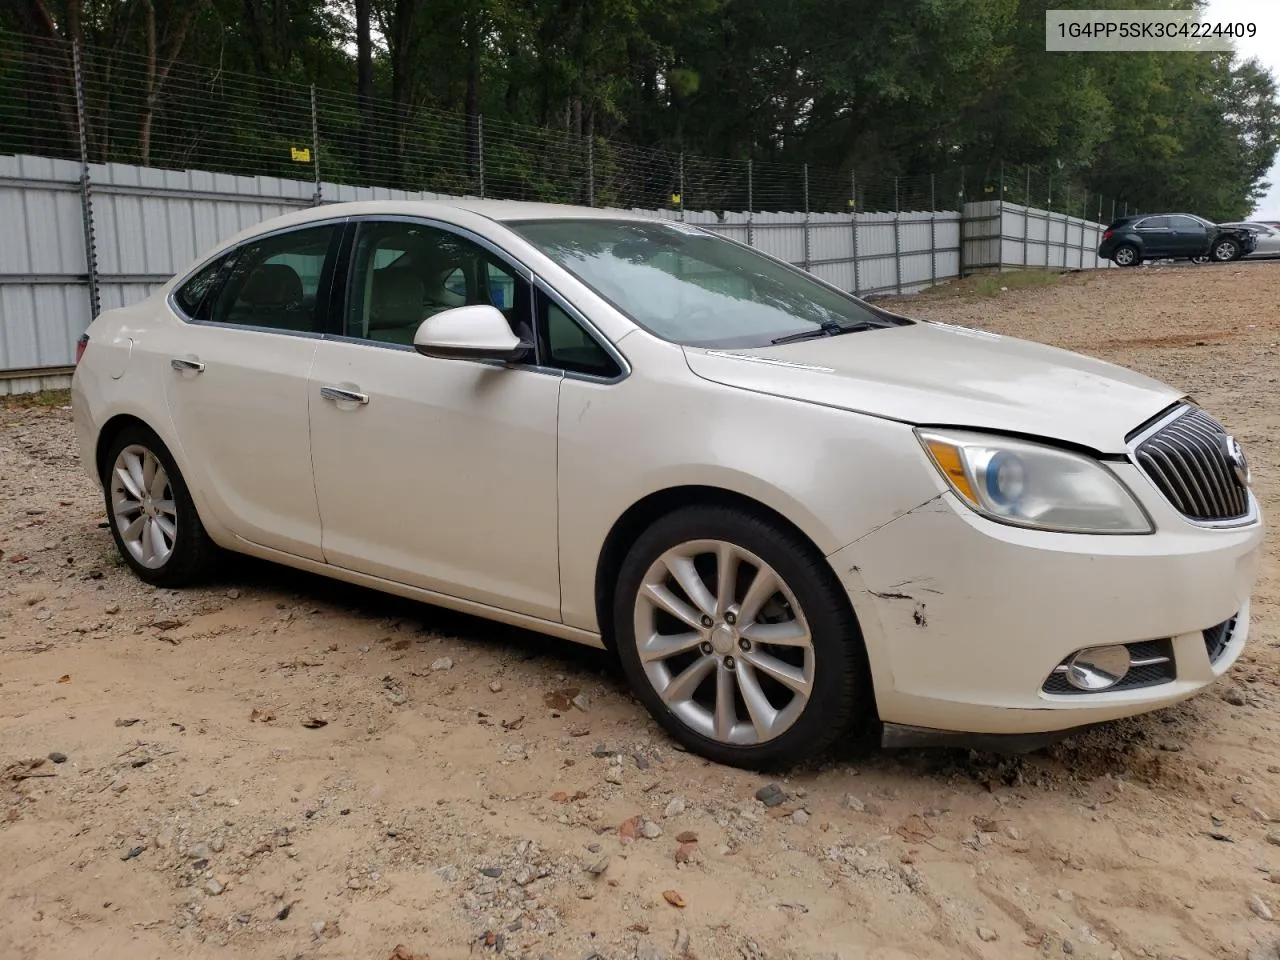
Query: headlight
x,y
1032,485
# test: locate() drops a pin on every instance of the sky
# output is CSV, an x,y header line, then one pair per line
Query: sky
x,y
1266,47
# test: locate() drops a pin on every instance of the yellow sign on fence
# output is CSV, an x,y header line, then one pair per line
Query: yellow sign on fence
x,y
301,154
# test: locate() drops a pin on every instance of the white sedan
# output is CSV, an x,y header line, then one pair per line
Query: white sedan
x,y
788,512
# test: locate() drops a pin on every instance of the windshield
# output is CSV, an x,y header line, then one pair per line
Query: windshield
x,y
694,288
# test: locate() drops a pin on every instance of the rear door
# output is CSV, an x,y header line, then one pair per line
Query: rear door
x,y
237,387
1157,238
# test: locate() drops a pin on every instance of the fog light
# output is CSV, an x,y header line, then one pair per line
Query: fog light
x,y
1098,668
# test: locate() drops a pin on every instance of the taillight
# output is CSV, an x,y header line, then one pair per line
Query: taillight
x,y
80,345
1106,234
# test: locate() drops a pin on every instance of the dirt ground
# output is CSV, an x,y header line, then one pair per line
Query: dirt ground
x,y
456,802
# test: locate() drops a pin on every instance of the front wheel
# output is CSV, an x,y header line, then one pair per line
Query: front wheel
x,y
150,512
736,636
1225,250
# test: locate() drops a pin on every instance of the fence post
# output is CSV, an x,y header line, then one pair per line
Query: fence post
x,y
751,233
963,222
897,242
933,231
315,146
806,216
1084,215
1048,224
591,170
681,184
86,189
1066,226
1026,223
853,192
480,150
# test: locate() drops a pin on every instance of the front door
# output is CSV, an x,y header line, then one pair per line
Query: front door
x,y
440,474
237,380
1190,238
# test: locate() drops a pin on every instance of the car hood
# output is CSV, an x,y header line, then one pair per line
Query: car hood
x,y
943,375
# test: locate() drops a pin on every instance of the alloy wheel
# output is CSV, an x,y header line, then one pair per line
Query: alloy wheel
x,y
1224,252
1124,256
143,506
724,643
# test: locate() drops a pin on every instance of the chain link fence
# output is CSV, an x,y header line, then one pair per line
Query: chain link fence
x,y
182,116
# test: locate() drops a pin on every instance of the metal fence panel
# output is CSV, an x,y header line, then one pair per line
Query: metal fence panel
x,y
152,223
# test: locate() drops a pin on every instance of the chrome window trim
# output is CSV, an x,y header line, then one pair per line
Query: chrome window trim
x,y
524,272
592,331
171,298
1179,411
521,269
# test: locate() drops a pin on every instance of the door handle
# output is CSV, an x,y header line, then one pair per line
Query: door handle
x,y
343,395
184,365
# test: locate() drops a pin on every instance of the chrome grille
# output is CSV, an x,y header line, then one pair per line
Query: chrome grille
x,y
1188,461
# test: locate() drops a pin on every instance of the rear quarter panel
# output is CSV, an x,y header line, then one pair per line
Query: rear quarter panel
x,y
124,372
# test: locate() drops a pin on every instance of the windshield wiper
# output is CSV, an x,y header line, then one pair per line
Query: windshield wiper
x,y
829,328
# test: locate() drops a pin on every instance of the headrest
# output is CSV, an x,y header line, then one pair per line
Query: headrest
x,y
272,284
395,299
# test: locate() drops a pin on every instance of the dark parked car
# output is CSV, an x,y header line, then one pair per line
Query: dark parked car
x,y
1172,236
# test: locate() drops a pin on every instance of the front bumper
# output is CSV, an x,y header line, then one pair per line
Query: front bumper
x,y
965,619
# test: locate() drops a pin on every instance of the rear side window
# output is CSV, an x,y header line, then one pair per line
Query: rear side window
x,y
276,283
196,292
1153,223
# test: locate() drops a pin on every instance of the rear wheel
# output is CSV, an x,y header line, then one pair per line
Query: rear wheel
x,y
1225,250
150,512
738,639
1126,255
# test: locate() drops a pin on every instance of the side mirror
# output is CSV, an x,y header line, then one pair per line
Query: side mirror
x,y
477,332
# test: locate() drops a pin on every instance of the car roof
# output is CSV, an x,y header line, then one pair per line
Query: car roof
x,y
475,214
1133,217
504,211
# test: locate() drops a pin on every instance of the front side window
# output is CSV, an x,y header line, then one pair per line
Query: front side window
x,y
276,282
694,288
404,272
567,346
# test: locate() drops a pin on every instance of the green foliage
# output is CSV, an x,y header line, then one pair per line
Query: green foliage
x,y
899,89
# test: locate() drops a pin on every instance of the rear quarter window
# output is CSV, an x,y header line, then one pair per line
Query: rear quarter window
x,y
195,293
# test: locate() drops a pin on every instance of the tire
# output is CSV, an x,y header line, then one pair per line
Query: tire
x,y
1225,250
170,548
1126,255
810,603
